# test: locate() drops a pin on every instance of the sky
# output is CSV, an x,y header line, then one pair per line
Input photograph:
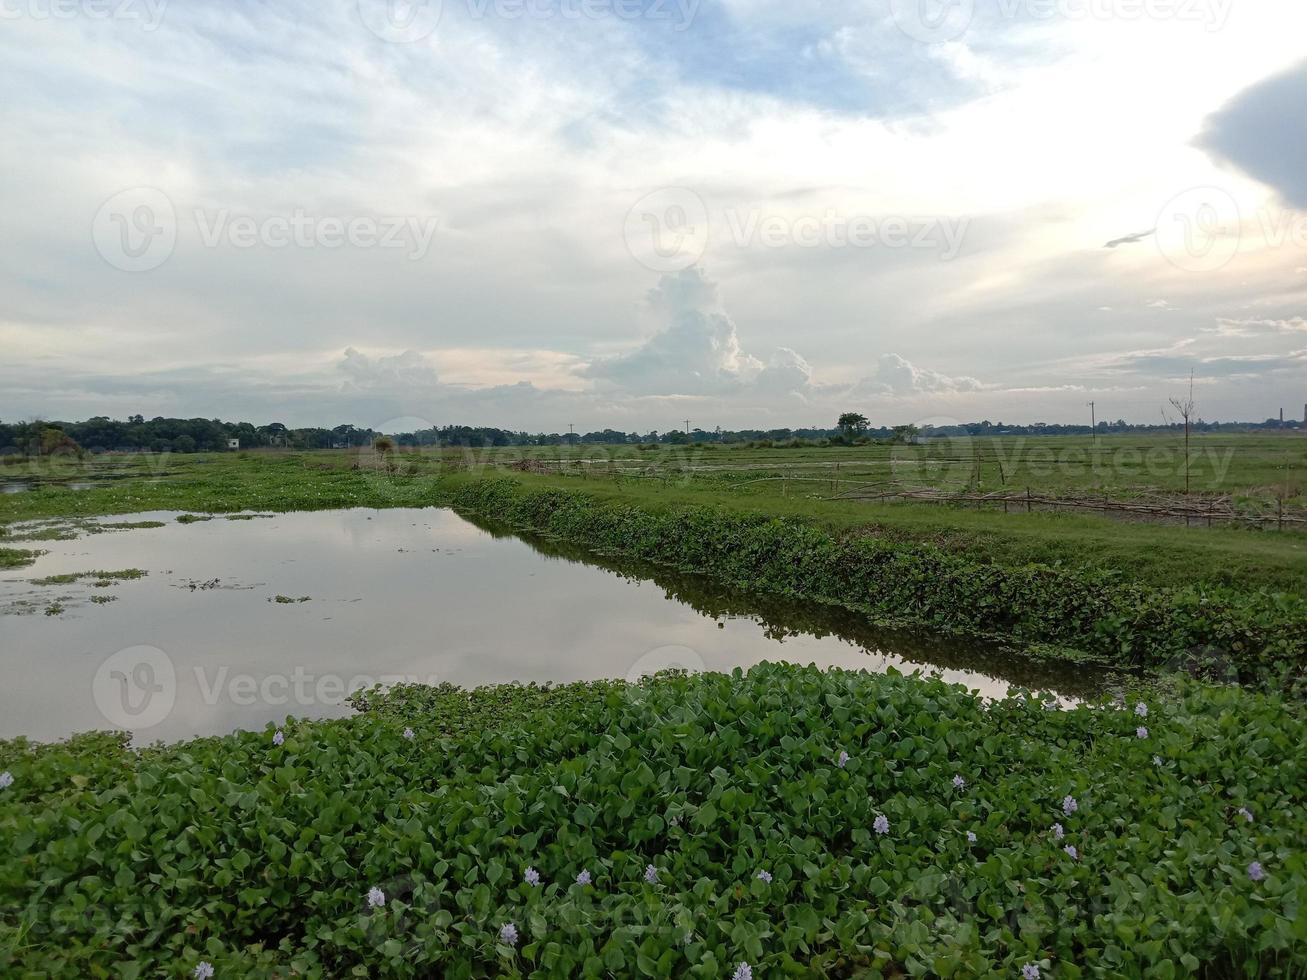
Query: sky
x,y
629,213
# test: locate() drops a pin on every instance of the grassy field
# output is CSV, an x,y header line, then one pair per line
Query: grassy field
x,y
781,482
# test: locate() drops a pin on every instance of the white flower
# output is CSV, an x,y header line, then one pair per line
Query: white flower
x,y
583,878
508,934
278,738
971,837
1071,849
881,824
1141,710
408,734
532,876
6,779
1057,831
1069,804
376,897
203,971
1157,760
959,782
1141,732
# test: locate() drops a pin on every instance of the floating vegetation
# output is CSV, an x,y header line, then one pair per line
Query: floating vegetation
x,y
102,579
18,557
796,821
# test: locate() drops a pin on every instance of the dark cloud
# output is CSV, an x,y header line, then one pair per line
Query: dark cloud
x,y
1138,236
1263,132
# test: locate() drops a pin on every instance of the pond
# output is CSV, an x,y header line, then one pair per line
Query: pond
x,y
242,621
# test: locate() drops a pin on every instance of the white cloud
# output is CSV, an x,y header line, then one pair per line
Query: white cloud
x,y
895,375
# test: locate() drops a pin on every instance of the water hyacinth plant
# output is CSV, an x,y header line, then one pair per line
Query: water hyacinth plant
x,y
267,857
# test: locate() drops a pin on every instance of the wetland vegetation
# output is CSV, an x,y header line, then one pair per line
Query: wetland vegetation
x,y
800,821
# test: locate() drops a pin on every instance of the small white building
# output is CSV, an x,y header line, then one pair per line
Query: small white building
x,y
233,444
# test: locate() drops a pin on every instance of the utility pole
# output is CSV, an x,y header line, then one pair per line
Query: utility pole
x,y
571,434
687,430
1093,422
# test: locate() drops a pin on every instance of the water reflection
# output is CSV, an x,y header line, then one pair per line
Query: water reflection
x,y
242,622
782,618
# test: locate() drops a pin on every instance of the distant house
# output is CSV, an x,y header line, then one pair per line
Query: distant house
x,y
233,444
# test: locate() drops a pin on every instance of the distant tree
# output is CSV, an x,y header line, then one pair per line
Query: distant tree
x,y
852,423
905,433
384,445
1185,406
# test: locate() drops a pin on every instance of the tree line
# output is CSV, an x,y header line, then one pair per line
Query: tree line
x,y
139,434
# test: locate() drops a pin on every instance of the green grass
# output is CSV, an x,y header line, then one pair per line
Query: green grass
x,y
1157,555
258,858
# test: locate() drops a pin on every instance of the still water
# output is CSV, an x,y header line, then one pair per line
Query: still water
x,y
241,622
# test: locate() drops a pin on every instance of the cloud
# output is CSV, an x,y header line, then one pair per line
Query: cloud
x,y
1263,132
895,375
1250,327
406,371
1138,236
697,353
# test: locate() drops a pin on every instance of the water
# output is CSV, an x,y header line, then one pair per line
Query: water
x,y
216,636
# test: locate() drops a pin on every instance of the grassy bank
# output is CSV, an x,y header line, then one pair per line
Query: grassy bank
x,y
257,855
1076,614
